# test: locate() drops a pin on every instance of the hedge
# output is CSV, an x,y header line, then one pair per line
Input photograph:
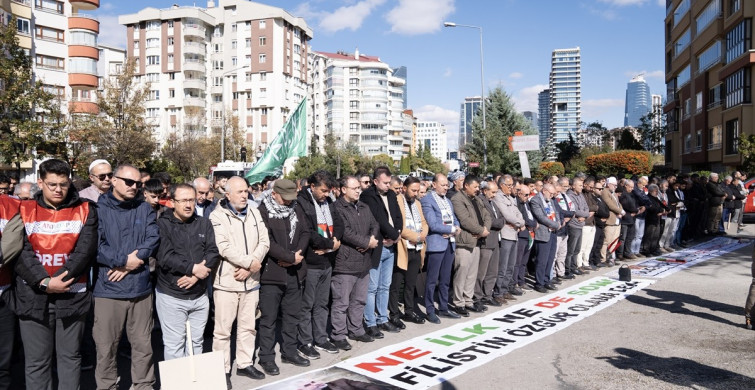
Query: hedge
x,y
618,163
548,168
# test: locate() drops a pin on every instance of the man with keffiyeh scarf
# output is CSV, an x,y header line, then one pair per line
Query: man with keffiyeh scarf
x,y
283,273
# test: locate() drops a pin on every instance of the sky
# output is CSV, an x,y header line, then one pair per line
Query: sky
x,y
618,39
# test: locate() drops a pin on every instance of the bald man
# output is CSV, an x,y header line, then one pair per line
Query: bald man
x,y
204,204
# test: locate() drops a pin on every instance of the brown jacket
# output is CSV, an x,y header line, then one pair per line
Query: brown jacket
x,y
470,225
612,201
402,256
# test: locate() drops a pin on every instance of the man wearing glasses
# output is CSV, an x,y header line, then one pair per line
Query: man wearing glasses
x,y
51,296
101,175
364,182
123,291
5,187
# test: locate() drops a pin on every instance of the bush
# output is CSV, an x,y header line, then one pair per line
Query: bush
x,y
619,163
549,168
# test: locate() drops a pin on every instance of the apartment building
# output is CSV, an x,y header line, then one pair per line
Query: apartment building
x,y
433,136
236,57
357,99
565,88
709,69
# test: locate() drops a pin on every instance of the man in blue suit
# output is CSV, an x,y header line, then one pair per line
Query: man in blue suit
x,y
549,220
441,244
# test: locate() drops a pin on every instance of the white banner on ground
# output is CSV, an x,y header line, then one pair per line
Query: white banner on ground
x,y
425,361
665,265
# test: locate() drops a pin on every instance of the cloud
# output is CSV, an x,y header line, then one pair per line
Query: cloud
x,y
622,3
348,17
607,14
113,34
516,75
447,73
449,118
414,17
525,99
598,108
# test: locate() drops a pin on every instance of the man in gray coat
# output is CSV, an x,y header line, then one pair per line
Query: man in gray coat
x,y
575,225
549,220
487,272
506,202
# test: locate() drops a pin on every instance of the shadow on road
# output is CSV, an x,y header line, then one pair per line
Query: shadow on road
x,y
678,371
676,302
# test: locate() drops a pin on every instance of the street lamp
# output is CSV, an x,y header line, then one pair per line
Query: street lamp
x,y
222,115
482,90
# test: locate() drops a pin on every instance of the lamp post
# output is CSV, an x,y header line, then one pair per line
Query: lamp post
x,y
482,91
222,114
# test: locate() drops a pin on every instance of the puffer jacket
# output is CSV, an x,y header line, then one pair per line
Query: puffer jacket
x,y
358,226
240,242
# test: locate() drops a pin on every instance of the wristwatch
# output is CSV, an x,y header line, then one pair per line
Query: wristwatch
x,y
43,285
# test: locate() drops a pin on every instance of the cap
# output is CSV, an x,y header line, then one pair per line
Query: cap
x,y
286,188
456,175
611,180
96,163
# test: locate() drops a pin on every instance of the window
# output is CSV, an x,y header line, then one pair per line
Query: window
x,y
55,90
263,111
234,43
172,75
682,43
233,27
172,93
152,77
738,88
248,77
136,45
23,26
734,6
714,137
698,102
153,112
715,95
154,95
248,42
263,76
354,82
248,60
687,143
153,25
82,65
217,65
683,76
263,92
82,38
218,47
49,6
152,42
263,41
50,34
354,104
709,14
153,60
732,136
170,24
680,10
263,58
248,25
171,41
170,59
354,115
50,62
262,24
698,140
709,57
738,40
297,48
353,93
234,61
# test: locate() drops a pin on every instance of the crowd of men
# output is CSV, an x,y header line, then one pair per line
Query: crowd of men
x,y
324,261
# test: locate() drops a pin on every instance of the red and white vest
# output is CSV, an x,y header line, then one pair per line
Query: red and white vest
x,y
53,235
8,209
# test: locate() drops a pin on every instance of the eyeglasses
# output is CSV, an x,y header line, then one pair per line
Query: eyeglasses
x,y
598,188
4,189
62,186
184,201
103,176
365,182
129,182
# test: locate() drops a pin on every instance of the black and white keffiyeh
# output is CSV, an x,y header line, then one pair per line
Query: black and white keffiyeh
x,y
279,211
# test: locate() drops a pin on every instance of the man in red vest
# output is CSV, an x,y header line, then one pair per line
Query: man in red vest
x,y
11,242
51,297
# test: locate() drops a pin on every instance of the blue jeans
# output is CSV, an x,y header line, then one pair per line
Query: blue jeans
x,y
679,228
379,289
173,314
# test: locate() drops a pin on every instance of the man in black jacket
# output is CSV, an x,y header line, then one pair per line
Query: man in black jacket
x,y
384,207
50,295
487,272
185,258
283,273
716,197
326,230
600,218
629,204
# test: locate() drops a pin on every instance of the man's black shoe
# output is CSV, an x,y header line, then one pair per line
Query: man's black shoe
x,y
449,314
556,280
342,344
477,307
576,272
568,276
413,317
364,337
228,383
373,332
491,302
295,360
396,321
250,372
327,346
516,291
551,287
432,317
541,289
270,368
602,264
388,327
308,352
594,267
462,311
525,287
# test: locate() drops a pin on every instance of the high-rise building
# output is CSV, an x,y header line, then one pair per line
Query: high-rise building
x,y
240,59
469,109
657,109
401,72
709,93
531,116
358,100
565,93
637,103
432,136
62,43
544,115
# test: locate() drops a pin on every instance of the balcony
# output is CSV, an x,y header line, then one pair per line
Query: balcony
x,y
195,48
194,102
194,30
83,80
194,65
85,4
195,84
83,51
84,22
83,107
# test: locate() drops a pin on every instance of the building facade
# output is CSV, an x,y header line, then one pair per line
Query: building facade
x,y
544,115
638,102
469,109
433,136
565,93
357,100
709,69
234,61
531,116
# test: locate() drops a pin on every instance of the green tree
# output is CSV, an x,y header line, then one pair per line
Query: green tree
x,y
593,134
652,130
404,166
502,121
746,149
627,141
567,150
29,115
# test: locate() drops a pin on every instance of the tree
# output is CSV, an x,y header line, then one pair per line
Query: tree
x,y
29,115
627,141
189,155
121,134
593,134
746,149
567,150
502,121
652,130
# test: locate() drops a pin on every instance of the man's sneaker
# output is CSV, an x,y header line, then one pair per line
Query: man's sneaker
x,y
342,344
295,360
364,337
250,372
327,346
308,352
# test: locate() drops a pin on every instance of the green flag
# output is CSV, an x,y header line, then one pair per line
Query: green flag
x,y
291,141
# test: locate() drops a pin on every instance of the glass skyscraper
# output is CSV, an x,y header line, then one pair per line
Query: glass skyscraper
x,y
565,93
469,109
638,103
544,115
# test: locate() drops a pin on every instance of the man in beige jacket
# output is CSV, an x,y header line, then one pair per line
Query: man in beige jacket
x,y
243,242
613,227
